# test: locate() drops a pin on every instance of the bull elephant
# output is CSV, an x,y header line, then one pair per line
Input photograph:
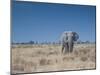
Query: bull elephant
x,y
68,39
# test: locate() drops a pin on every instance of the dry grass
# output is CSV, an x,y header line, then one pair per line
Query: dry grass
x,y
42,58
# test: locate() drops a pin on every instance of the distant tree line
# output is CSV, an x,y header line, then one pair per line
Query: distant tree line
x,y
52,43
84,42
36,42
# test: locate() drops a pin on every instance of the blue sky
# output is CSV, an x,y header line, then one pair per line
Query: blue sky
x,y
46,22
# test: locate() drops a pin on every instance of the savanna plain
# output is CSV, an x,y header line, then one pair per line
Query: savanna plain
x,y
44,58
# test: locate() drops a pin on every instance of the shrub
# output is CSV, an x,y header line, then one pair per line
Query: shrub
x,y
83,59
43,62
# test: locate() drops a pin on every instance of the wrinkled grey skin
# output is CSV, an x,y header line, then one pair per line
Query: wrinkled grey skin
x,y
68,39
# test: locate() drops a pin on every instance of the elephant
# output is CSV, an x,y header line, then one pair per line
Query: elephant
x,y
68,39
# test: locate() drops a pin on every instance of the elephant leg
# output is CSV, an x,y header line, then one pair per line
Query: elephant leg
x,y
66,48
62,48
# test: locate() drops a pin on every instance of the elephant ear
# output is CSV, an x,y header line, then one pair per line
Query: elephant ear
x,y
64,37
76,36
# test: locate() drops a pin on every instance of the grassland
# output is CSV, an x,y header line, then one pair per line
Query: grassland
x,y
43,58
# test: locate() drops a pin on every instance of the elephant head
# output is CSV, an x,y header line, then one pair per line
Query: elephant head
x,y
68,40
69,35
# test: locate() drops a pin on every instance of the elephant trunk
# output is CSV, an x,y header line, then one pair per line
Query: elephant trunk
x,y
70,44
71,47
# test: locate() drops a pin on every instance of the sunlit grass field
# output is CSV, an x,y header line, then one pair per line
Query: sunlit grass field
x,y
43,58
